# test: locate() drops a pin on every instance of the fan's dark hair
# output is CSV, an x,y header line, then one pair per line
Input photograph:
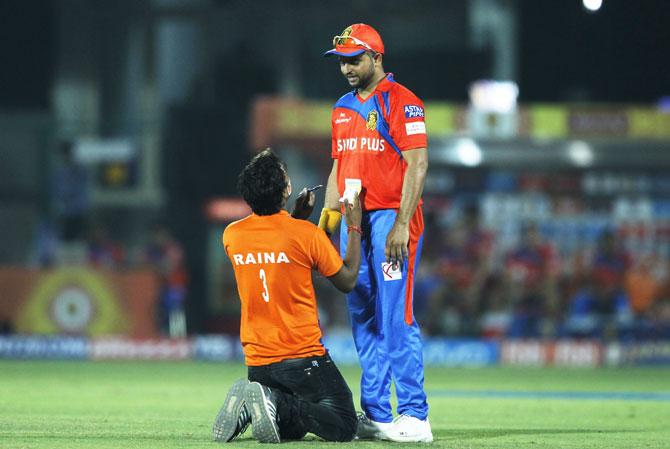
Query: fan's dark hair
x,y
262,183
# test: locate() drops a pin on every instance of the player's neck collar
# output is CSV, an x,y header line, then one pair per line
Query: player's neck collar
x,y
383,85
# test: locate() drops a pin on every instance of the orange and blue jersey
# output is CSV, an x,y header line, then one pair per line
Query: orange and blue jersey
x,y
369,136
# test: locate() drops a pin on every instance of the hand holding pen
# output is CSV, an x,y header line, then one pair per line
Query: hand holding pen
x,y
304,204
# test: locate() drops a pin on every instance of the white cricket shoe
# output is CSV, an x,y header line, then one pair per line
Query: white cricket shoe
x,y
408,429
371,430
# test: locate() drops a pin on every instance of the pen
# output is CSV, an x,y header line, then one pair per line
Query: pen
x,y
312,189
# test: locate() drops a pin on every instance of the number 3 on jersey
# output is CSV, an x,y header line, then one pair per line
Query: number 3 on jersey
x,y
265,294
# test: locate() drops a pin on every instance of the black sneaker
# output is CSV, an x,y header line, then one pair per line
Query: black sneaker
x,y
234,417
262,406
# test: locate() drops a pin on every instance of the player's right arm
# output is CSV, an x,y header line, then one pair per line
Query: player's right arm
x,y
330,214
345,279
332,200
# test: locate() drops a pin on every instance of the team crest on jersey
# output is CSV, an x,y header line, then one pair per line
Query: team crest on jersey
x,y
371,122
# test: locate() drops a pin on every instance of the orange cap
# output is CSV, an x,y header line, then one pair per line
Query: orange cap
x,y
356,39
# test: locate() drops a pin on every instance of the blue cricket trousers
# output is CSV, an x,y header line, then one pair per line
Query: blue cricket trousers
x,y
386,335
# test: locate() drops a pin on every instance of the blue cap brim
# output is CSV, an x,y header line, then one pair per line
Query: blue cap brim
x,y
341,53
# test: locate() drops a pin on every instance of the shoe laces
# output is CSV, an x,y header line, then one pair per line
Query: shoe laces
x,y
402,418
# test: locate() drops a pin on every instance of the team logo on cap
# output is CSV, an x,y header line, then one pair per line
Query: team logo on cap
x,y
346,32
371,122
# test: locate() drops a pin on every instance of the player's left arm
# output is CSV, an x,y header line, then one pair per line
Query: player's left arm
x,y
397,241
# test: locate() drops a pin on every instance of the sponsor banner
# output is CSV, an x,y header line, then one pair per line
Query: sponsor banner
x,y
559,353
412,111
492,125
644,353
41,347
79,301
613,355
436,351
415,128
545,121
448,352
648,122
217,348
277,120
577,353
598,122
392,271
150,349
526,352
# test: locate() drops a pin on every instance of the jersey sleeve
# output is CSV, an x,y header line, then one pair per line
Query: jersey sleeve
x,y
225,240
325,257
407,121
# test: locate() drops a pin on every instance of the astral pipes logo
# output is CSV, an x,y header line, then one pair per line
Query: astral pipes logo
x,y
412,111
391,272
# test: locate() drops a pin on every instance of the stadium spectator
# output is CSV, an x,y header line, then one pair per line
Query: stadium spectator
x,y
70,194
610,262
103,251
601,307
465,264
453,310
45,245
429,294
643,284
165,255
660,319
496,311
646,286
428,282
531,272
480,243
293,386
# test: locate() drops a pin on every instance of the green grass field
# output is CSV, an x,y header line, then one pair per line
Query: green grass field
x,y
88,405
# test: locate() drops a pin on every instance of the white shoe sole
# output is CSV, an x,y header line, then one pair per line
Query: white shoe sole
x,y
264,427
409,439
226,421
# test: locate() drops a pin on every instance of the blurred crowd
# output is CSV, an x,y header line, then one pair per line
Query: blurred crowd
x,y
74,234
471,281
471,284
520,265
93,246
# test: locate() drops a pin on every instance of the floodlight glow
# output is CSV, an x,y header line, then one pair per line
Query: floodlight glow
x,y
494,96
581,153
468,152
592,5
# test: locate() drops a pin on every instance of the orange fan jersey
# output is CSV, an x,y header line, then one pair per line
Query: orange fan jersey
x,y
273,257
